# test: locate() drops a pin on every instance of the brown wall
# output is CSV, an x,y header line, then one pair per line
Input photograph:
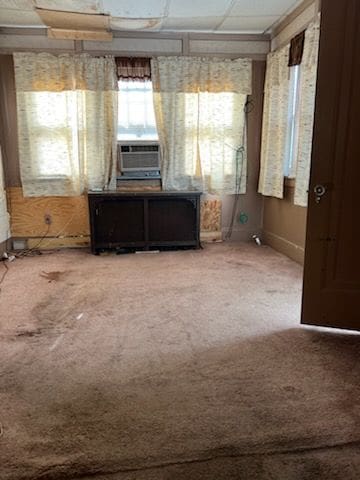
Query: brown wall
x,y
252,202
284,225
8,122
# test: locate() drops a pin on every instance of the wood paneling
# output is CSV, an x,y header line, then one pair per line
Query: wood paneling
x,y
210,216
69,215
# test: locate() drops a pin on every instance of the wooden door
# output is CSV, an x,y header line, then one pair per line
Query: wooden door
x,y
331,295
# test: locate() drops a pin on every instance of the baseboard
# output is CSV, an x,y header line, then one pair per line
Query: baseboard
x,y
210,237
241,235
50,243
284,246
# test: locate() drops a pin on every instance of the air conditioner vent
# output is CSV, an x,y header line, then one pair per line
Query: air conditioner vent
x,y
139,158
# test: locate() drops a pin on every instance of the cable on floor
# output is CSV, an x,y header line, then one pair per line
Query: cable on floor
x,y
5,272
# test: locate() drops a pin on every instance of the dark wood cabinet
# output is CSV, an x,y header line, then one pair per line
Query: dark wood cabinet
x,y
144,220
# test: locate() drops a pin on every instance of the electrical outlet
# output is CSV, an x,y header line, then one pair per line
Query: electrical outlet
x,y
47,219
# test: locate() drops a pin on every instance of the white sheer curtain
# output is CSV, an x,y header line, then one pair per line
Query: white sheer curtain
x,y
275,123
67,122
306,114
199,109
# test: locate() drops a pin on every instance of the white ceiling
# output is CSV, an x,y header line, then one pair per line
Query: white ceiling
x,y
212,16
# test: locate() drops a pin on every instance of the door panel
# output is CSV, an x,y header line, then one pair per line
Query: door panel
x,y
331,295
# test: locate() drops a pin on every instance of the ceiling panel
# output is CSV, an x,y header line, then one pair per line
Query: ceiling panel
x,y
191,24
135,8
198,8
17,18
253,8
81,6
120,23
247,24
17,4
71,20
233,16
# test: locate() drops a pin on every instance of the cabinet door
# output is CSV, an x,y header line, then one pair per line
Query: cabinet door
x,y
172,220
119,221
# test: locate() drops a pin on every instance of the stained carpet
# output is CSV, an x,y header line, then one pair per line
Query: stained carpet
x,y
178,365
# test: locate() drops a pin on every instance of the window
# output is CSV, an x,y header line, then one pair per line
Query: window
x,y
136,118
212,130
54,129
292,134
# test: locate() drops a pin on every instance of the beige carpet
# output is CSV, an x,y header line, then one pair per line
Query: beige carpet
x,y
179,365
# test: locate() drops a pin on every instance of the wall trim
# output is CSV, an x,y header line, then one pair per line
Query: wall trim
x,y
282,24
255,46
284,246
242,37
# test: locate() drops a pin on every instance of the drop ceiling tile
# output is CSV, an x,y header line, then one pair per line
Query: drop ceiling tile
x,y
261,7
17,18
198,8
191,24
73,20
247,24
16,5
135,9
120,23
80,6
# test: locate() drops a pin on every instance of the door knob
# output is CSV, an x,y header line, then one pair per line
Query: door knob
x,y
319,191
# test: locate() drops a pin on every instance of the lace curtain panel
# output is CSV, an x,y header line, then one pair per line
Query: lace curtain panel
x,y
307,107
199,109
67,121
275,121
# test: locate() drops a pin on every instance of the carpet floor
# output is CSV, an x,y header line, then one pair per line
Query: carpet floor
x,y
178,365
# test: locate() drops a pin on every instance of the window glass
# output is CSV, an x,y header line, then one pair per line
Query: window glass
x,y
292,134
136,118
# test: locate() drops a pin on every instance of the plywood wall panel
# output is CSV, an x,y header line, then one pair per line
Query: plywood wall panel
x,y
210,215
69,215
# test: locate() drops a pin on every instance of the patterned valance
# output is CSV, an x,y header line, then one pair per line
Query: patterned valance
x,y
296,49
135,68
44,72
196,74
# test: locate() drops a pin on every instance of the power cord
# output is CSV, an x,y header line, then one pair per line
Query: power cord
x,y
239,159
5,272
29,251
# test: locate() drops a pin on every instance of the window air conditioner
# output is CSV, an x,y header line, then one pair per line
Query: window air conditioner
x,y
139,160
